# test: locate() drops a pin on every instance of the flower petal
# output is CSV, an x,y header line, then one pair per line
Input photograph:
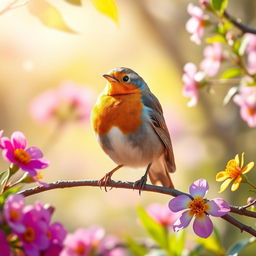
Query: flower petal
x,y
199,188
237,159
221,176
35,164
225,184
248,167
34,152
218,207
203,227
18,140
182,222
236,183
179,203
242,160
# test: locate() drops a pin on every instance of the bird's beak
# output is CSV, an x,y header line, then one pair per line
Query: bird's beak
x,y
110,78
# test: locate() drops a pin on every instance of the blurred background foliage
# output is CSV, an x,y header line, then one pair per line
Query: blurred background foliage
x,y
150,38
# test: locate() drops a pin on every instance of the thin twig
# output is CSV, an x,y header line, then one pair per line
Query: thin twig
x,y
237,22
151,188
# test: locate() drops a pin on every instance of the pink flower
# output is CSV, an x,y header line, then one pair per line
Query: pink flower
x,y
196,23
213,57
5,248
246,99
13,212
77,244
109,247
28,159
162,214
192,81
250,51
199,207
68,102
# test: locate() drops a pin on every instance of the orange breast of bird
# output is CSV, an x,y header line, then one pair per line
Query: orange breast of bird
x,y
122,111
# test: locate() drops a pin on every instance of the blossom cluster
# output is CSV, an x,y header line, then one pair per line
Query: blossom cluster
x,y
66,103
224,46
29,229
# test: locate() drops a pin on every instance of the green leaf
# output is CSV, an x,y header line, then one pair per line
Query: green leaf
x,y
211,244
215,39
108,8
177,242
74,2
219,5
230,73
154,229
239,246
135,248
48,15
2,174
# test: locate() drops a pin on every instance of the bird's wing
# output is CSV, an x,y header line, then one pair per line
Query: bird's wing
x,y
159,125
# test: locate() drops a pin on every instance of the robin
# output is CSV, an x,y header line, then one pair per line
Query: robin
x,y
129,124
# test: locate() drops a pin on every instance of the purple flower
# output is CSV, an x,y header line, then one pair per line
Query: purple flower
x,y
246,99
196,23
5,249
192,81
34,238
13,212
68,102
28,159
199,208
213,57
162,214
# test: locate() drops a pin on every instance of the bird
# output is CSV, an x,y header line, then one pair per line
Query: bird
x,y
129,125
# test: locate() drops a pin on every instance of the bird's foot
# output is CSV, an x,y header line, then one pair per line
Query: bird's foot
x,y
141,183
105,181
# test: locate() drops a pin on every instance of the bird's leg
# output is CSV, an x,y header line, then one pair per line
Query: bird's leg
x,y
107,178
143,181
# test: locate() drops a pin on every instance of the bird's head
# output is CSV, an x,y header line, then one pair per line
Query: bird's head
x,y
124,81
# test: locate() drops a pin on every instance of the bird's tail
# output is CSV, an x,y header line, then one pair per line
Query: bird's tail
x,y
159,173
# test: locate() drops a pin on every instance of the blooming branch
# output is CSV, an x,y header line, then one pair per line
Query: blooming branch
x,y
150,188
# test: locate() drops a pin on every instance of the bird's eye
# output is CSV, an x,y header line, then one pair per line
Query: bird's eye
x,y
126,78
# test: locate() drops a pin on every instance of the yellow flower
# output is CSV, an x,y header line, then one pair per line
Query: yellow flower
x,y
234,171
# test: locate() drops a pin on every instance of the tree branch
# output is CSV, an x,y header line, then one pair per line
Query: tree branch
x,y
151,188
237,22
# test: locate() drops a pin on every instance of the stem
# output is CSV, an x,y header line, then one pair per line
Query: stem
x,y
151,188
237,22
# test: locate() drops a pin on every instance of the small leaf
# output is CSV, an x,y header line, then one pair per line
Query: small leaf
x,y
239,246
74,2
107,7
48,15
154,229
219,5
230,73
216,39
2,174
231,92
135,248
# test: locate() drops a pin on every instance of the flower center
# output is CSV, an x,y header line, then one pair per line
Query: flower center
x,y
22,156
80,249
251,111
198,207
14,215
235,172
29,234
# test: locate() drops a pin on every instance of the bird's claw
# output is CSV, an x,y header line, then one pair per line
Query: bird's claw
x,y
140,183
104,181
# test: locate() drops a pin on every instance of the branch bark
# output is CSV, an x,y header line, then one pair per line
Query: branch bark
x,y
151,188
237,22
